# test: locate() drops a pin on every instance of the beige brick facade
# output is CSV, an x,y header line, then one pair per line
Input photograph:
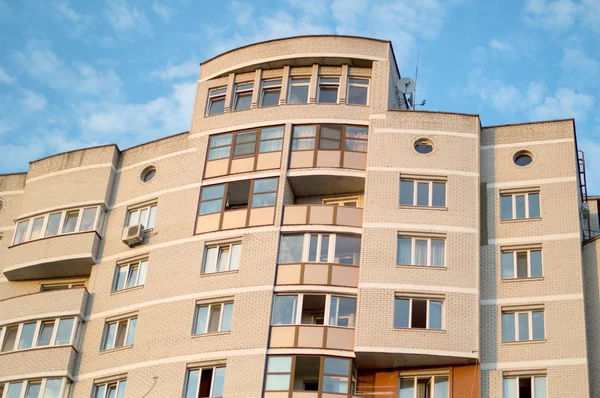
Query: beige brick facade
x,y
476,164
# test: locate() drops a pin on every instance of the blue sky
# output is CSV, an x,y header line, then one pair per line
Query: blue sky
x,y
81,73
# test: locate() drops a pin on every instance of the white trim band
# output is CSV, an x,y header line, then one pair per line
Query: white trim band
x,y
534,364
9,193
420,227
155,195
38,375
167,156
425,132
424,171
532,239
521,300
71,170
543,181
400,287
417,351
527,143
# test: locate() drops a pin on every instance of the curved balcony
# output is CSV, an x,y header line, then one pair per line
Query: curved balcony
x,y
38,362
312,336
37,305
59,256
322,215
317,274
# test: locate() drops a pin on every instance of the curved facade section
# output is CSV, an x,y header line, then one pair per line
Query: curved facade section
x,y
44,304
48,362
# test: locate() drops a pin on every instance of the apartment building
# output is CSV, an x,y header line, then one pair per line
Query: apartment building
x,y
309,237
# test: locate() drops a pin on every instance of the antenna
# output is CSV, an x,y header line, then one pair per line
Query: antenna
x,y
407,86
416,79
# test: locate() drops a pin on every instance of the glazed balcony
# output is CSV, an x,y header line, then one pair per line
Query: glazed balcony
x,y
38,305
58,256
38,362
312,336
323,215
317,274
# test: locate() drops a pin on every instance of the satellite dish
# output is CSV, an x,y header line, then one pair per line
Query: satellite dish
x,y
406,85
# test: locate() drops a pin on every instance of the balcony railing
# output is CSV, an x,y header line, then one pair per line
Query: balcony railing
x,y
312,336
317,274
322,215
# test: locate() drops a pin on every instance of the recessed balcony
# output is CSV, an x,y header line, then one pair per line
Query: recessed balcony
x,y
58,256
317,274
323,215
312,336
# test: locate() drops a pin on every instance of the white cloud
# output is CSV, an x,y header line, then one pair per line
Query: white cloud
x,y
565,103
163,11
578,64
552,14
170,72
126,19
5,78
33,102
591,14
77,23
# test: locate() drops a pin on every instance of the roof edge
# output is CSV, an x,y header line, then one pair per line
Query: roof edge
x,y
526,123
74,150
153,141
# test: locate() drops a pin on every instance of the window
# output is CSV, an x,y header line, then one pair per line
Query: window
x,y
113,389
216,101
328,90
61,286
298,92
37,388
213,318
243,96
148,173
219,146
314,309
329,137
320,248
519,206
221,258
143,215
307,375
265,192
211,199
303,138
523,325
41,333
523,158
421,251
422,193
270,140
358,91
424,387
237,195
130,275
205,382
64,222
119,333
524,387
418,313
356,139
423,146
270,93
245,144
521,264
1,208
351,201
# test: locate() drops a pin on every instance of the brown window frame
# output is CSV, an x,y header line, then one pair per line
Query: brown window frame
x,y
215,97
266,88
258,140
239,90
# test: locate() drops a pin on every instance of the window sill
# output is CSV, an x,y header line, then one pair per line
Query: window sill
x,y
127,347
436,208
207,275
509,343
437,331
197,336
129,289
444,268
513,280
518,220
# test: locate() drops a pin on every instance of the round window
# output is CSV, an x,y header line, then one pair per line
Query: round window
x,y
522,158
423,146
148,173
1,205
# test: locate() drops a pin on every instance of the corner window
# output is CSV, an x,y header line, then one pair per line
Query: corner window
x,y
243,96
422,193
524,387
144,215
314,309
523,325
421,251
519,206
113,389
119,333
329,137
213,318
270,93
328,90
418,313
298,91
424,386
205,382
319,248
521,264
216,101
358,91
222,257
130,275
41,333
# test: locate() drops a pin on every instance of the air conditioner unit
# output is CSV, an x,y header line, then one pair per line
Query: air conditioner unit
x,y
134,234
585,210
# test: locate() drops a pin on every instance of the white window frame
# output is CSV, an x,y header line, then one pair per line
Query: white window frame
x,y
340,201
105,334
330,84
424,376
129,267
410,309
208,315
68,285
219,247
38,329
413,245
64,386
264,89
532,377
61,225
212,381
292,84
327,314
515,253
330,251
430,192
529,323
239,89
215,97
139,210
106,387
368,87
514,204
